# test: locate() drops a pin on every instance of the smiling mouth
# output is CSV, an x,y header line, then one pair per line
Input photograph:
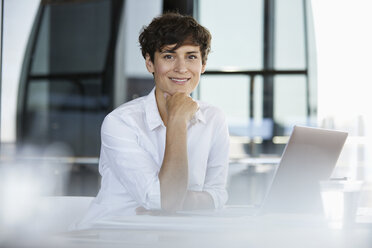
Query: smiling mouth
x,y
180,81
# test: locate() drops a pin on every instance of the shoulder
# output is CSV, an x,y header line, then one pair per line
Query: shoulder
x,y
133,107
211,112
128,113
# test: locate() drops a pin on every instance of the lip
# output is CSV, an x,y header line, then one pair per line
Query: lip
x,y
179,81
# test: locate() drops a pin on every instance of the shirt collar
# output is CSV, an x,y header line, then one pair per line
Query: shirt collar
x,y
152,112
199,116
153,116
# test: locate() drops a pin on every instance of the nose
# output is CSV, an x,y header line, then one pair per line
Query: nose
x,y
180,66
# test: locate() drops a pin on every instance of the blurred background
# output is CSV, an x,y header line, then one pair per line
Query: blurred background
x,y
65,64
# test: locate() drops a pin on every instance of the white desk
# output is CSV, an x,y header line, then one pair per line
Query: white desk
x,y
219,230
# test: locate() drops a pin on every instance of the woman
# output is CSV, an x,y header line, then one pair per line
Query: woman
x,y
164,151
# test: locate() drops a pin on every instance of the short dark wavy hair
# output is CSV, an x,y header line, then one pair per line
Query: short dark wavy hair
x,y
174,28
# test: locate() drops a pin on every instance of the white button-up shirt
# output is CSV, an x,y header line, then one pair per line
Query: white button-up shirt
x,y
132,151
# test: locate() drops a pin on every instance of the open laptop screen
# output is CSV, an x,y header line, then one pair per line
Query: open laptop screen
x,y
309,157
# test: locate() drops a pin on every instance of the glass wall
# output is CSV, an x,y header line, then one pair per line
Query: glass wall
x,y
258,70
259,73
67,64
65,87
58,86
237,28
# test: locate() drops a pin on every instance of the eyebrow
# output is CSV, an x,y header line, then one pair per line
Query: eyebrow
x,y
173,51
168,51
192,52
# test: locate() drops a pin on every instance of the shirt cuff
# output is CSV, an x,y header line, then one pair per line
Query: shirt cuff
x,y
153,197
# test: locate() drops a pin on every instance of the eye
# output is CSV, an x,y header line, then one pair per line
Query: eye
x,y
168,56
192,57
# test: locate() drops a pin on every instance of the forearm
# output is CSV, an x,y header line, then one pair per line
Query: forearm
x,y
173,174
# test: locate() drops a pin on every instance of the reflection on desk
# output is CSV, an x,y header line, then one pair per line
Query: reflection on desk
x,y
227,228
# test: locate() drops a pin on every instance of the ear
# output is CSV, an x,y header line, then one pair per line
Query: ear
x,y
203,67
149,64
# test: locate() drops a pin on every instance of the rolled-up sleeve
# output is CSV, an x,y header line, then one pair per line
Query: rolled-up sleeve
x,y
133,166
217,167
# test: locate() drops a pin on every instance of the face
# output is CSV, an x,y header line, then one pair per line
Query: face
x,y
176,70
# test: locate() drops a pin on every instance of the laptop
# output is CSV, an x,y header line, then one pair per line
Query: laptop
x,y
309,157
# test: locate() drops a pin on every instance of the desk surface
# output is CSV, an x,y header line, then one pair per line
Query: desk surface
x,y
229,229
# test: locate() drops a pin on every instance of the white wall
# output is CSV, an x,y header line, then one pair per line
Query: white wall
x,y
18,20
344,50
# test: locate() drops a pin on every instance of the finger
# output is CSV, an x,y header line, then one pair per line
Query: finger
x,y
141,210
